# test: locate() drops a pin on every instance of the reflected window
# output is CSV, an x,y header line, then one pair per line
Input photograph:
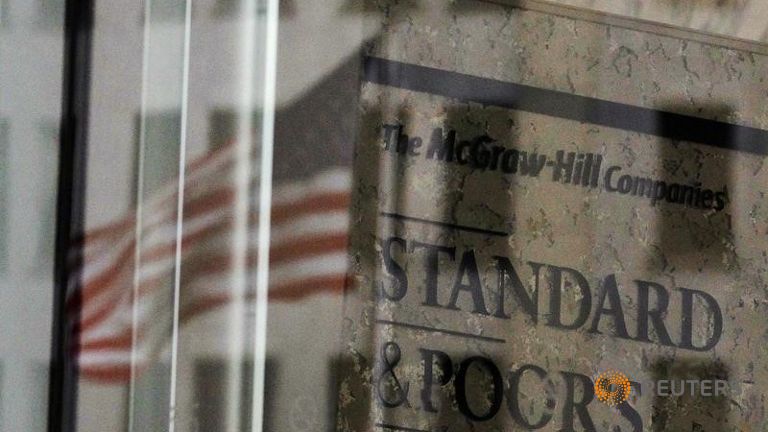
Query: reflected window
x,y
230,9
49,139
338,367
50,13
222,126
226,8
161,159
153,400
4,187
4,13
168,10
211,378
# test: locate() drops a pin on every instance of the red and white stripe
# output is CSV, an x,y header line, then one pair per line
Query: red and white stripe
x,y
308,255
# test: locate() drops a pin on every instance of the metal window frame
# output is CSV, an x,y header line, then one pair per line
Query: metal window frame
x,y
70,214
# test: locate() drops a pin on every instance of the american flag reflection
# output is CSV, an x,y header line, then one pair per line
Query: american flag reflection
x,y
308,255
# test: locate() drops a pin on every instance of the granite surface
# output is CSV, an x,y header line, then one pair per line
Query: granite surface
x,y
557,236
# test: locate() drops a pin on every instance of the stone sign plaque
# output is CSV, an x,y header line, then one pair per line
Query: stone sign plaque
x,y
559,225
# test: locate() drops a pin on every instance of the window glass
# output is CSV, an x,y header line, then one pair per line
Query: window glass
x,y
30,96
401,215
174,208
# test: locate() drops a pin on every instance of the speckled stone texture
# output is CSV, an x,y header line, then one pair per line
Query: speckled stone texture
x,y
589,229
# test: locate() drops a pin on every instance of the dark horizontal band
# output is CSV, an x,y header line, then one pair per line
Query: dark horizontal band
x,y
584,109
449,225
439,330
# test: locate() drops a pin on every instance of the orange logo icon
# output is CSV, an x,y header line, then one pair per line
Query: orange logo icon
x,y
612,387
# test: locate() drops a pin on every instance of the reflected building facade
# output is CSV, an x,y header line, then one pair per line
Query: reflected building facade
x,y
477,207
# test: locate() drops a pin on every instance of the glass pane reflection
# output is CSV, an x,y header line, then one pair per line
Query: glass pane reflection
x,y
477,210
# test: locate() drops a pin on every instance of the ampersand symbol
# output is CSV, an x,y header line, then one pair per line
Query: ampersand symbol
x,y
391,354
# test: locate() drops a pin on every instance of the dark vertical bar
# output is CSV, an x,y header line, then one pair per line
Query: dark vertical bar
x,y
62,400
